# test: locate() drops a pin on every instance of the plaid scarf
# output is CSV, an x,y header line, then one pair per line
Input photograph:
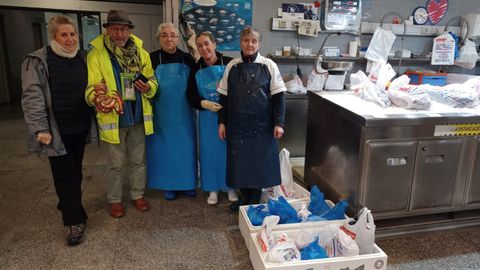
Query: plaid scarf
x,y
127,57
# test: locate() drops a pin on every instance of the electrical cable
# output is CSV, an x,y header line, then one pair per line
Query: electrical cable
x,y
299,71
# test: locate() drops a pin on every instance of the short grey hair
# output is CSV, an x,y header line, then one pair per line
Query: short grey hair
x,y
248,30
166,25
55,22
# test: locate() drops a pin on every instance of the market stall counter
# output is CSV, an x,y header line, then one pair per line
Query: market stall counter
x,y
416,170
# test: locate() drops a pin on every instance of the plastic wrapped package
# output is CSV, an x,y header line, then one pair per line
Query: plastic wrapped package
x,y
284,250
408,96
455,95
414,98
295,85
345,246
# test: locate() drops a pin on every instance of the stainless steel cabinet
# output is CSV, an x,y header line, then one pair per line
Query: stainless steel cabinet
x,y
296,106
473,186
388,175
435,173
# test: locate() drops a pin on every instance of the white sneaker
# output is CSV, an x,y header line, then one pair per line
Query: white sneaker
x,y
213,198
232,195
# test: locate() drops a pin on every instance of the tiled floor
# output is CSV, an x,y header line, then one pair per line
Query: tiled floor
x,y
181,234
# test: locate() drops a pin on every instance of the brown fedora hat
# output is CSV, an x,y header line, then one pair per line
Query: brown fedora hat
x,y
118,17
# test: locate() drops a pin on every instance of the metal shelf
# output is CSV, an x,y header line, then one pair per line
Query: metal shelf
x,y
339,58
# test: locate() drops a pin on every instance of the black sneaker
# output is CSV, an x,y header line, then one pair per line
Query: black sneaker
x,y
235,206
75,234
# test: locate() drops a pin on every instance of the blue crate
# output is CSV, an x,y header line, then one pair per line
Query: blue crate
x,y
420,78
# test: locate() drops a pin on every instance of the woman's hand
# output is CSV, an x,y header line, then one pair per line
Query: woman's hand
x,y
278,132
210,105
44,137
221,131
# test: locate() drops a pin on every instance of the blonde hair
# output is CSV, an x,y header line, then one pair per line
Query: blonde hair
x,y
56,21
166,25
248,30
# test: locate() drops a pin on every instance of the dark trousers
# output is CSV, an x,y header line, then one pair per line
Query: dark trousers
x,y
250,195
67,177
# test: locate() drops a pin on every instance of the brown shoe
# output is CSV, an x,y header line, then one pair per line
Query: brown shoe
x,y
141,204
116,210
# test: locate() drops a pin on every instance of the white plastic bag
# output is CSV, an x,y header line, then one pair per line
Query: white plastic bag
x,y
443,51
408,96
362,230
367,90
265,237
295,85
380,45
316,81
468,56
345,245
286,189
284,250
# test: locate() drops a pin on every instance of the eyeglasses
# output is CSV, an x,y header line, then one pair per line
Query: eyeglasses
x,y
120,29
164,35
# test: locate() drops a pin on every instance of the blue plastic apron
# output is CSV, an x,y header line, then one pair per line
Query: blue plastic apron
x,y
212,149
252,151
171,150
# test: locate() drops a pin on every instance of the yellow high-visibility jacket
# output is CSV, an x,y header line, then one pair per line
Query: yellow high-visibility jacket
x,y
100,68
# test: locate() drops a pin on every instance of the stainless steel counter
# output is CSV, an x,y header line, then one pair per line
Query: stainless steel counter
x,y
399,163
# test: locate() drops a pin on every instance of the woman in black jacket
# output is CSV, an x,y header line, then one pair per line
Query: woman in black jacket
x,y
54,79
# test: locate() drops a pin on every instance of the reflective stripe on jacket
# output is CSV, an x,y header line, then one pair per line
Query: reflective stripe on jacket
x,y
100,68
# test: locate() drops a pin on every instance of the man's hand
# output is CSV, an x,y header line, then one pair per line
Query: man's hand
x,y
44,137
278,132
141,86
100,88
210,105
221,131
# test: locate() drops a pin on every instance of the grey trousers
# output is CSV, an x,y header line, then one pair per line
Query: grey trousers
x,y
127,160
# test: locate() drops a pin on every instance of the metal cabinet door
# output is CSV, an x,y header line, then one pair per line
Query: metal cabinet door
x,y
388,175
473,187
435,173
296,106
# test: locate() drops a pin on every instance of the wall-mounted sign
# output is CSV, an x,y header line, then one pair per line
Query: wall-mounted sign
x,y
436,10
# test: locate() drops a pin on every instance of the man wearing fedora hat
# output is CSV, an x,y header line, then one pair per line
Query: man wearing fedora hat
x,y
120,86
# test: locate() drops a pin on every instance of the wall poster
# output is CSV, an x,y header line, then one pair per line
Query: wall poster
x,y
224,18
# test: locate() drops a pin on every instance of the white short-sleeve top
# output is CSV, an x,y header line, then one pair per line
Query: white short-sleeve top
x,y
276,84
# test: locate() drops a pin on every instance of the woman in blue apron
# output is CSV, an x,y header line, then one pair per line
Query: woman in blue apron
x,y
171,151
251,120
203,96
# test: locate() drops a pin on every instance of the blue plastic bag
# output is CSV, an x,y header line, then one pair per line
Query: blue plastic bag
x,y
256,214
317,205
282,209
313,251
337,212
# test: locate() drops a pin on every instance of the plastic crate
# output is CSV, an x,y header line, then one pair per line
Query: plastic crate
x,y
376,260
300,194
417,78
246,227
